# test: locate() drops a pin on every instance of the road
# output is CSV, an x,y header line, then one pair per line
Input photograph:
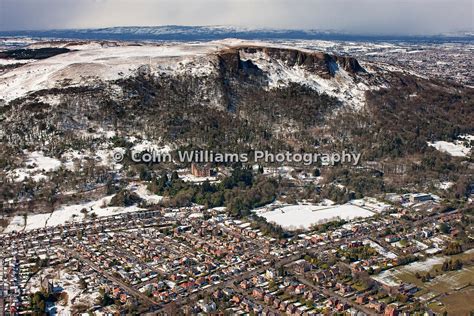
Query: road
x,y
230,282
145,299
298,253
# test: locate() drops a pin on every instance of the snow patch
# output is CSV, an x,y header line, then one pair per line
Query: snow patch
x,y
293,217
68,214
36,165
457,148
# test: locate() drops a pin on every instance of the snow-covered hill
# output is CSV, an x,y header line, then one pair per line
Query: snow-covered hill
x,y
89,62
67,106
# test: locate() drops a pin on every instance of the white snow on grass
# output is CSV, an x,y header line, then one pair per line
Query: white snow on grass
x,y
107,63
17,223
191,178
70,284
36,165
456,148
105,157
142,191
40,162
68,214
73,159
64,281
387,278
445,185
424,266
390,277
4,61
304,216
150,146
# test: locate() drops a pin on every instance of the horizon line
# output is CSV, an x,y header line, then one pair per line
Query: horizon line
x,y
249,29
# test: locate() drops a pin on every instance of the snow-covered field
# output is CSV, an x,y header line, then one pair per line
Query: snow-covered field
x,y
4,62
36,164
144,193
191,178
65,214
390,277
103,156
75,213
107,63
68,283
147,145
456,148
304,216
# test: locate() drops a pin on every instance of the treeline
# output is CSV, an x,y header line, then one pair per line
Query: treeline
x,y
452,265
241,192
269,228
452,248
357,183
125,198
358,253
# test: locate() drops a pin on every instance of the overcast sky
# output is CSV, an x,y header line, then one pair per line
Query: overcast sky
x,y
355,16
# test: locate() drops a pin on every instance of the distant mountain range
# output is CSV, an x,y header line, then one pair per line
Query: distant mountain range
x,y
206,33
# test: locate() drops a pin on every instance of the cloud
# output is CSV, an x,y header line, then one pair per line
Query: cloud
x,y
361,16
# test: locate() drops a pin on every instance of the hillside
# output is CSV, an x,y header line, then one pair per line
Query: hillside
x,y
79,105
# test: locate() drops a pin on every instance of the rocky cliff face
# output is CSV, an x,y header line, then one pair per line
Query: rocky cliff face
x,y
317,63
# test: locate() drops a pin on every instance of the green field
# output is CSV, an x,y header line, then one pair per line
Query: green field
x,y
458,303
451,291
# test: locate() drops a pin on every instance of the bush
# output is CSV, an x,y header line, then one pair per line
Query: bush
x,y
125,198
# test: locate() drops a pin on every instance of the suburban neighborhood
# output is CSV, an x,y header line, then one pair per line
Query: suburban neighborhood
x,y
199,260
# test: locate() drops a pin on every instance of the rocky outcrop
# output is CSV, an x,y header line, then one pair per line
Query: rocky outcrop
x,y
322,64
349,64
230,62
